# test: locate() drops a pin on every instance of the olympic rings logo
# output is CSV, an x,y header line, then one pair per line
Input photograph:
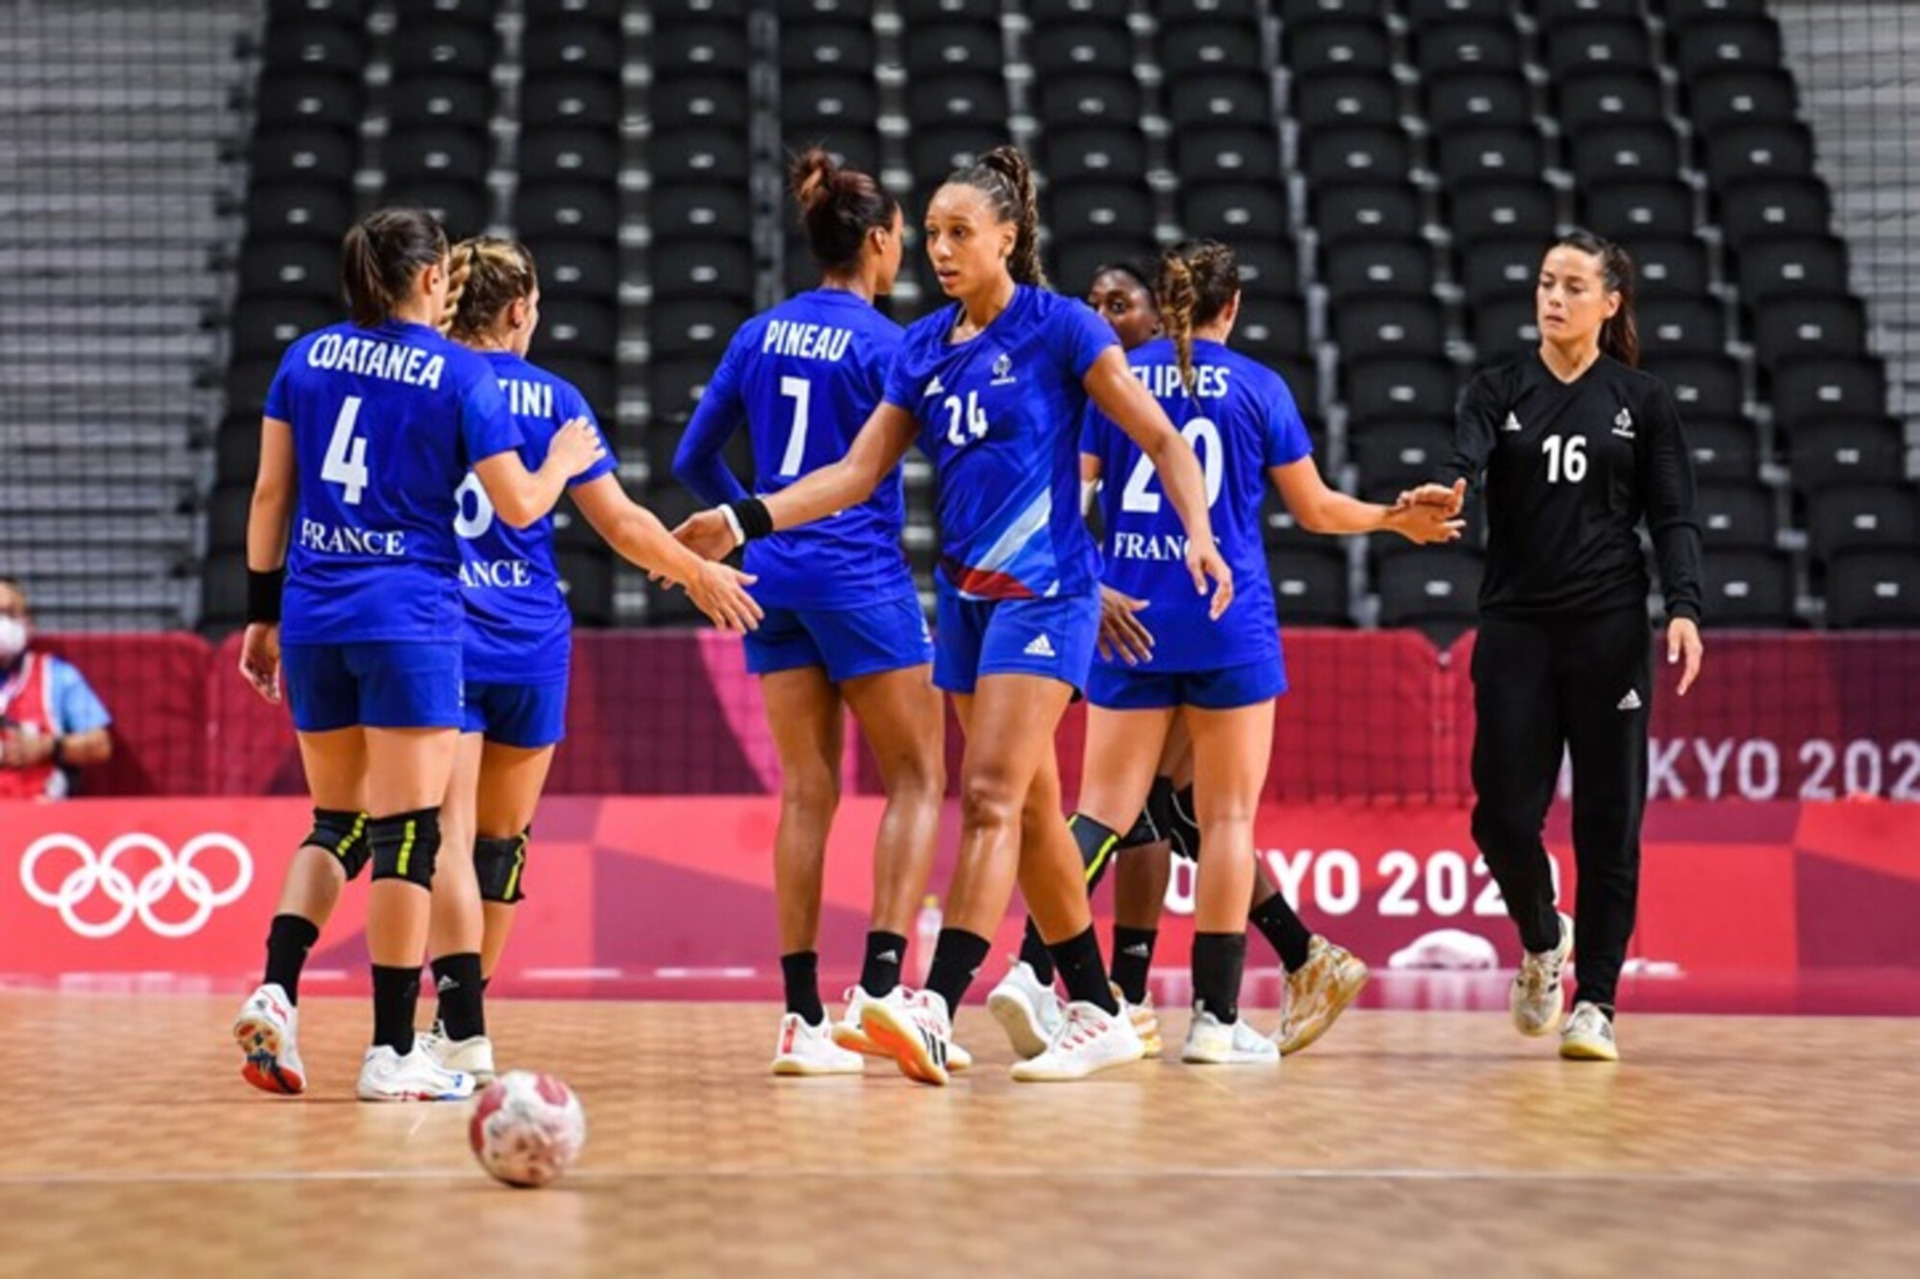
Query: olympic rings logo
x,y
101,872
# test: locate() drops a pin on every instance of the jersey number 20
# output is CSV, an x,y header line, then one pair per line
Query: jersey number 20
x,y
1140,499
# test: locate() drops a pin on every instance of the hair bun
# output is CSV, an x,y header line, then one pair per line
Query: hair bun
x,y
813,176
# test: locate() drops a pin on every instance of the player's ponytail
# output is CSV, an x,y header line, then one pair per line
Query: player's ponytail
x,y
1198,281
380,257
489,275
1620,334
1006,178
838,207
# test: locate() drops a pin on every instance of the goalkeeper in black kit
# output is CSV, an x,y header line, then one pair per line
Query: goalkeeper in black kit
x,y
1575,448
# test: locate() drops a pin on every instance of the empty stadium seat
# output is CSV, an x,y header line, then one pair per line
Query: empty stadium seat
x,y
1723,448
1748,589
1310,586
1437,590
1853,516
1874,588
1806,391
1736,516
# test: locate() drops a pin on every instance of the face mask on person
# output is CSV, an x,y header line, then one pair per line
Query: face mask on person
x,y
13,638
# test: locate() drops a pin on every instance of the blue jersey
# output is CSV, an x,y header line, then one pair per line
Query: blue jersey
x,y
1000,416
518,626
1241,420
804,377
385,422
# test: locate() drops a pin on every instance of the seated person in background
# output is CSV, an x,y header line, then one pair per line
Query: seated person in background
x,y
50,721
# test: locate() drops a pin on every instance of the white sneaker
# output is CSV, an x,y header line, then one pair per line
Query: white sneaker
x,y
1535,1001
1589,1035
387,1076
811,1050
1090,1040
1027,1009
473,1056
1146,1022
850,1033
266,1032
914,1029
1318,993
1212,1042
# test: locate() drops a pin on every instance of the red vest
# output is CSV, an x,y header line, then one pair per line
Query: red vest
x,y
26,700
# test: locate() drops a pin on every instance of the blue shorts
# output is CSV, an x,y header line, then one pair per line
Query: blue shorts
x,y
1129,688
528,716
847,642
1050,637
396,684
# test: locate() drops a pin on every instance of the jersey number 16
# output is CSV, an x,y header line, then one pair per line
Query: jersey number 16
x,y
1566,458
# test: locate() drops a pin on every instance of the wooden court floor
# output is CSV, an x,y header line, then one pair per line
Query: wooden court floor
x,y
1404,1144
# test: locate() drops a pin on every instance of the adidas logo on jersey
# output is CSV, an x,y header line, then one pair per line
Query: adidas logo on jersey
x,y
1623,425
1041,646
934,387
1631,702
1511,424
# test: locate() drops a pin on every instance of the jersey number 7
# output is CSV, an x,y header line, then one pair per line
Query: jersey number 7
x,y
346,460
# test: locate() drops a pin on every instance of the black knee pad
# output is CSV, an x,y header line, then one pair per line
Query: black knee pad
x,y
405,846
344,835
499,865
1145,831
1176,824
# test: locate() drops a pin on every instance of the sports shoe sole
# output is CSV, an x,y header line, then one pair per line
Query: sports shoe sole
x,y
1016,1017
1339,998
416,1095
260,1040
1026,1073
855,1040
903,1043
799,1068
1580,1050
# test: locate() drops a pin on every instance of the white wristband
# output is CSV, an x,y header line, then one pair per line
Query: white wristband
x,y
733,522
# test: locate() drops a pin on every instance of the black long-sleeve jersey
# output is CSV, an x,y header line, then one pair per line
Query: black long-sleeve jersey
x,y
1569,470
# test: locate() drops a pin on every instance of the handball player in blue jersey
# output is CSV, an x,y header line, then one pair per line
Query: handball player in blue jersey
x,y
844,628
519,638
1221,677
993,387
354,599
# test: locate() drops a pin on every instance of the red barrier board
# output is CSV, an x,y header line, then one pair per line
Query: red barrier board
x,y
643,893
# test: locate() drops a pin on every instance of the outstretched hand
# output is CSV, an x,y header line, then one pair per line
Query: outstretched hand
x,y
707,534
1122,637
1452,500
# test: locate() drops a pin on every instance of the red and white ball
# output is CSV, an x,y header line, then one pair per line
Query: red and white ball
x,y
527,1129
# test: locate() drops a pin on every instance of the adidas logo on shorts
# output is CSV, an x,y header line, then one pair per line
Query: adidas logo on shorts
x,y
1041,646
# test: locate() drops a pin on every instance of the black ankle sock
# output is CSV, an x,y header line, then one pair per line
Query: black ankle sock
x,y
881,971
1289,935
1034,954
1132,957
289,938
1218,960
957,956
396,995
801,970
456,979
1096,843
1085,977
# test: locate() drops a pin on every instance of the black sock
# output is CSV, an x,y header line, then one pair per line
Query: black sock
x,y
1218,959
289,938
1034,954
456,978
484,983
1285,930
1132,957
396,995
1085,977
1096,843
881,971
802,973
957,956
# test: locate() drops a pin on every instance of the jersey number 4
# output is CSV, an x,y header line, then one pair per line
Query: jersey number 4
x,y
346,460
1139,497
1566,458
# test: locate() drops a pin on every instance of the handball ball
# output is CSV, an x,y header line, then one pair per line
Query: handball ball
x,y
527,1129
